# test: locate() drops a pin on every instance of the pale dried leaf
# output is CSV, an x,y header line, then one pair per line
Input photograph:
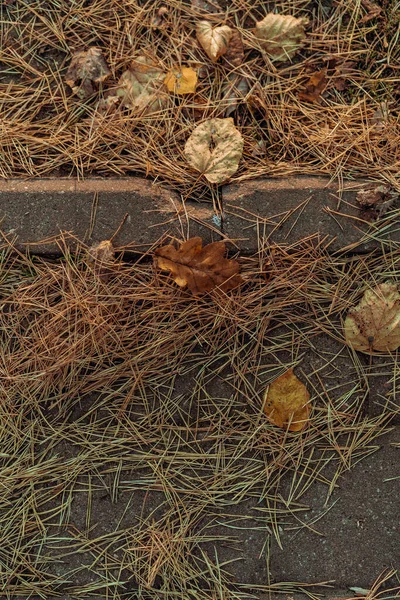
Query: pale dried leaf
x,y
213,40
286,402
86,67
142,88
181,80
374,324
215,149
281,36
200,269
235,90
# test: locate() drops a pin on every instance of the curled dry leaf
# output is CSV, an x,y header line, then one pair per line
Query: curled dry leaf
x,y
87,67
281,36
142,88
215,149
314,86
374,324
213,40
375,201
159,19
200,269
235,52
286,402
181,80
102,256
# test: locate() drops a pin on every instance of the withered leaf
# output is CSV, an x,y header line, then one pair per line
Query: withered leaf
x,y
210,6
376,200
235,52
281,36
86,67
314,86
286,402
200,269
142,87
237,87
159,19
215,148
374,324
373,10
213,40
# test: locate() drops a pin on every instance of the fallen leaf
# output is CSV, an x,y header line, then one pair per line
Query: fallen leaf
x,y
215,149
373,10
374,324
102,252
182,80
341,75
281,36
236,88
375,201
207,6
286,402
235,52
314,86
381,116
200,269
86,67
142,88
159,19
213,40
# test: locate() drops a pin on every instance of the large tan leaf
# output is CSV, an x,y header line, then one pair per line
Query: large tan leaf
x,y
213,40
215,149
280,35
286,402
87,67
142,88
200,269
374,324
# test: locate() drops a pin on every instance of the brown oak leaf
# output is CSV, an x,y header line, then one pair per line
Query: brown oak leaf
x,y
197,268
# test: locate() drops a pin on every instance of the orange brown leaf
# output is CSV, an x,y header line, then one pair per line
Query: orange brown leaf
x,y
286,402
197,268
314,86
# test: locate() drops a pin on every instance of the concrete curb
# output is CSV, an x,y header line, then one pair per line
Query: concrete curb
x,y
33,212
285,211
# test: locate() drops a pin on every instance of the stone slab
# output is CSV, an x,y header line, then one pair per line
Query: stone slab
x,y
92,210
287,210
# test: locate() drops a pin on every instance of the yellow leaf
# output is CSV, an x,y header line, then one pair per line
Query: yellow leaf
x,y
280,35
182,80
213,40
374,324
286,402
215,149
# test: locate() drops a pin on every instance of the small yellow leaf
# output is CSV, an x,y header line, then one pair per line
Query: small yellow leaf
x,y
280,35
182,80
374,324
286,402
213,40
